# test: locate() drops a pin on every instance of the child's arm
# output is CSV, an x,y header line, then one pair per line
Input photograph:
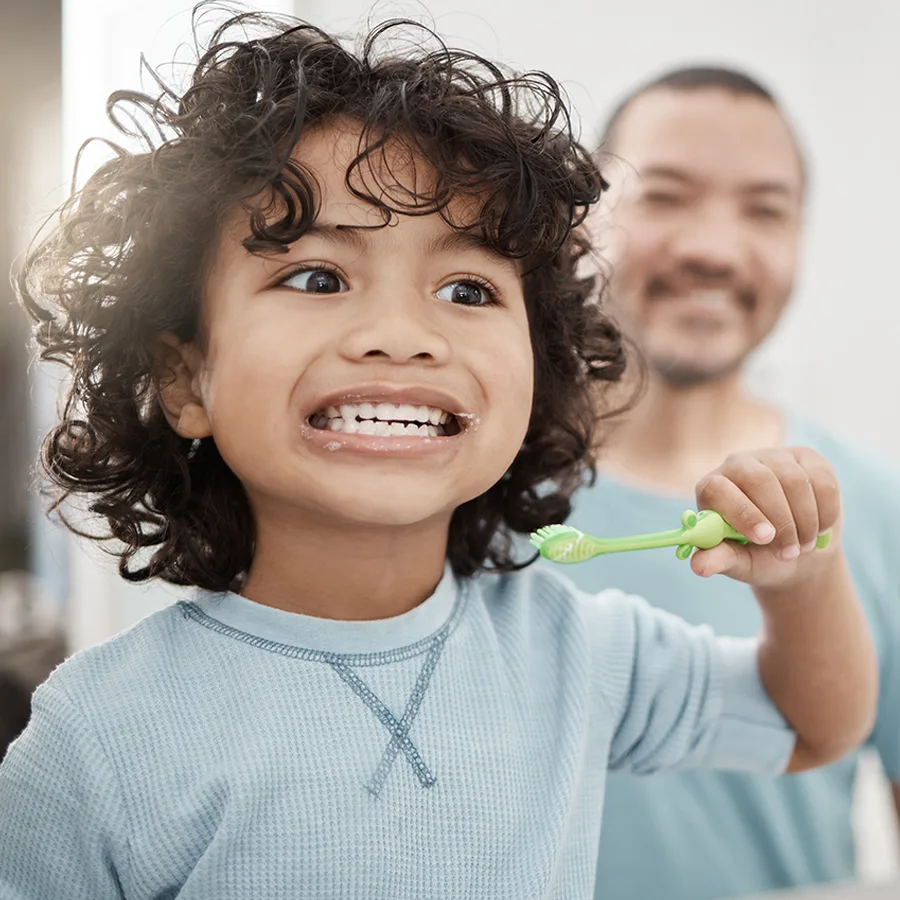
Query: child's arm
x,y
63,827
815,660
815,656
681,696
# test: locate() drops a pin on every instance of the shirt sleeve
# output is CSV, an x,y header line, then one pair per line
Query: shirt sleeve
x,y
886,736
63,825
871,507
689,699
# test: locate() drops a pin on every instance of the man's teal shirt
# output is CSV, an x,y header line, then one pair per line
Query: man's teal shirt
x,y
704,835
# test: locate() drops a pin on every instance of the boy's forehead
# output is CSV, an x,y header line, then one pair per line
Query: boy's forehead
x,y
392,172
328,154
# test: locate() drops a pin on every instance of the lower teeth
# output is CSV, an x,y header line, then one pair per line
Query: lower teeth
x,y
379,428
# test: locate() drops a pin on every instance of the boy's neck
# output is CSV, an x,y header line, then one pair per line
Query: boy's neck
x,y
336,572
676,436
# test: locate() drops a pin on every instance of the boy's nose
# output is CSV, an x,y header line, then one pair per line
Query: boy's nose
x,y
400,326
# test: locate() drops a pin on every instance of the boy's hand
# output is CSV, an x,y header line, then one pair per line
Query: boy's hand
x,y
782,499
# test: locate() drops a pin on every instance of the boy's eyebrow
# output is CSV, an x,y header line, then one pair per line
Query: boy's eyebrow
x,y
451,241
446,242
340,234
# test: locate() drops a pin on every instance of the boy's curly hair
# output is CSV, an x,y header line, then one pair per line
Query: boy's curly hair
x,y
128,257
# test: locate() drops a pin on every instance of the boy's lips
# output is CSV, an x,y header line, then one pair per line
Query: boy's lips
x,y
383,392
387,419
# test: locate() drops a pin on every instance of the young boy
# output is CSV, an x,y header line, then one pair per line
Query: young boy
x,y
330,353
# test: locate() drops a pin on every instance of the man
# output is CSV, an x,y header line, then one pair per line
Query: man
x,y
703,237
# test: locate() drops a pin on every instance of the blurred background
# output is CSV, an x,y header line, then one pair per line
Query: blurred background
x,y
836,71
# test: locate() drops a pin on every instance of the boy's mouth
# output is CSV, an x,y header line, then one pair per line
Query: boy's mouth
x,y
386,420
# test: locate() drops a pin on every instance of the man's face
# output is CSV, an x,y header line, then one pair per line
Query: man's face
x,y
704,235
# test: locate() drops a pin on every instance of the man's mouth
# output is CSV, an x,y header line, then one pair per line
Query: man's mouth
x,y
710,299
386,420
707,299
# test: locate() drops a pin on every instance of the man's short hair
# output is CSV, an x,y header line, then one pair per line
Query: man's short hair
x,y
689,78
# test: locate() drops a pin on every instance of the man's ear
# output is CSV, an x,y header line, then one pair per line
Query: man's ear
x,y
180,365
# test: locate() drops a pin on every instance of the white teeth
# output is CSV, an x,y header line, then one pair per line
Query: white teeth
x,y
710,298
376,427
383,412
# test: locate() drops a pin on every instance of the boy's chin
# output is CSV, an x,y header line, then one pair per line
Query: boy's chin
x,y
401,508
365,503
396,512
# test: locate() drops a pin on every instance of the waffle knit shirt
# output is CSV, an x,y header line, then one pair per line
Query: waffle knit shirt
x,y
225,750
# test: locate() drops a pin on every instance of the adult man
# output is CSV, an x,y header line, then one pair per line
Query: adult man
x,y
704,238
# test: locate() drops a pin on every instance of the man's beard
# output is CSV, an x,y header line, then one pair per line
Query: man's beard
x,y
682,375
684,372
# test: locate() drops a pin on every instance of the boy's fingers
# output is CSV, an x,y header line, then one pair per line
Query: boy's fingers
x,y
824,484
726,559
801,497
749,497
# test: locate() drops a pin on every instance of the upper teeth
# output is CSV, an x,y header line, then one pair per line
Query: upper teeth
x,y
710,298
383,419
388,412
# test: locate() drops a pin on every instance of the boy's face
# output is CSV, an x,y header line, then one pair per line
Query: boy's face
x,y
707,227
370,376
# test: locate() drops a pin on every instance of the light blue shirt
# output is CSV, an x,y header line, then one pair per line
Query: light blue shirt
x,y
225,750
705,835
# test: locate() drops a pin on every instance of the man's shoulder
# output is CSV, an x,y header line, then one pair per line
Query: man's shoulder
x,y
864,474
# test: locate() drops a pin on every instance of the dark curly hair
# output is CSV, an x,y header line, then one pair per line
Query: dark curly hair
x,y
127,258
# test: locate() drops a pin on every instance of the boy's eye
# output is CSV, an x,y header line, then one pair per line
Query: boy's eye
x,y
467,293
315,281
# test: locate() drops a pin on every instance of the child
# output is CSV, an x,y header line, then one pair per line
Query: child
x,y
330,354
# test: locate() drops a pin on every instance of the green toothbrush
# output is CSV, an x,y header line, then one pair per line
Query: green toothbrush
x,y
699,530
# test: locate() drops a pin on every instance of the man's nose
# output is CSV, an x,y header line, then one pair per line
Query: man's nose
x,y
713,245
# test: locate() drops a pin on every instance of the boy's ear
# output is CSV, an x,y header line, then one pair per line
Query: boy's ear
x,y
180,365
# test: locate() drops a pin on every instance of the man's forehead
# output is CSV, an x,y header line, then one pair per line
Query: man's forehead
x,y
707,133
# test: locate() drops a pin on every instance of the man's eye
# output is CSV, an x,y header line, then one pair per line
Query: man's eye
x,y
315,281
662,198
467,293
767,212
